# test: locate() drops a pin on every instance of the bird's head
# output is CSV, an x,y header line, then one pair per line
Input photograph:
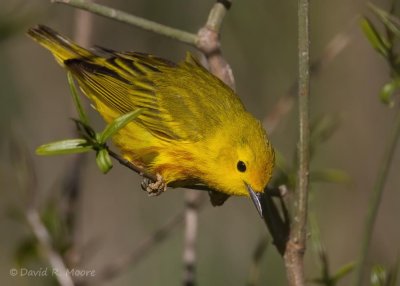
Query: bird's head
x,y
245,159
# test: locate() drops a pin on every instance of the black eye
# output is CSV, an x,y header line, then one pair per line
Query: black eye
x,y
241,166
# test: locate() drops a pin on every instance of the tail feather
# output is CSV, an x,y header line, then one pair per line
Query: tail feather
x,y
61,47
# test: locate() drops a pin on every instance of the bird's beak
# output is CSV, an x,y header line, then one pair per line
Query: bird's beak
x,y
256,200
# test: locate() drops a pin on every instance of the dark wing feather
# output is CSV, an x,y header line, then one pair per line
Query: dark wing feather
x,y
181,102
114,89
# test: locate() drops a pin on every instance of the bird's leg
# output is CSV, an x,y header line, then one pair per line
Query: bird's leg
x,y
154,188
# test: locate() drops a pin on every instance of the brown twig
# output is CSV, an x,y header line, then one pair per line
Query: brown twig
x,y
190,237
295,248
208,43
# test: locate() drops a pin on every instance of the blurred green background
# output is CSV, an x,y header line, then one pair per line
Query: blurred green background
x,y
259,41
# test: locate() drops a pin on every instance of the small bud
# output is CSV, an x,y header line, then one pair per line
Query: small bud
x,y
103,161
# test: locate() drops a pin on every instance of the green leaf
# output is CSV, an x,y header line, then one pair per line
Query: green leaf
x,y
378,276
78,105
379,43
391,23
69,146
103,161
388,90
343,271
117,124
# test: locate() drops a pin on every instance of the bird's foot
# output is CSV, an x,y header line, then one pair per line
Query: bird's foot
x,y
154,188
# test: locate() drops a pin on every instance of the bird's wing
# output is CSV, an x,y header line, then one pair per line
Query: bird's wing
x,y
180,102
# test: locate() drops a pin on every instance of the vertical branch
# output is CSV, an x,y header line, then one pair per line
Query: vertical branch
x,y
208,43
297,240
299,232
190,237
376,199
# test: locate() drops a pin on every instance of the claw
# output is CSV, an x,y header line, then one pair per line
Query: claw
x,y
154,188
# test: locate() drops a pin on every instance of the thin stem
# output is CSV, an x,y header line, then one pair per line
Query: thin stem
x,y
297,240
190,237
375,199
208,43
216,16
124,17
77,103
299,232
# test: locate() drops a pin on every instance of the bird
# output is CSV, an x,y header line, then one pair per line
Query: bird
x,y
193,130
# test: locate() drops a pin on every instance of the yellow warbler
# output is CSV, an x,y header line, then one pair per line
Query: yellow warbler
x,y
193,130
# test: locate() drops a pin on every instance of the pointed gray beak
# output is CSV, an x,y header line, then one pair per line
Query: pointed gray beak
x,y
255,199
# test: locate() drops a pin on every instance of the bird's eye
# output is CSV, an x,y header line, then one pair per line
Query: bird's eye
x,y
241,166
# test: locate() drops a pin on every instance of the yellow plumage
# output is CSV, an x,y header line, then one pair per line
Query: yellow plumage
x,y
193,130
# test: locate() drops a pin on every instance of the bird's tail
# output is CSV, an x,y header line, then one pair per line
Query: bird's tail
x,y
61,47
